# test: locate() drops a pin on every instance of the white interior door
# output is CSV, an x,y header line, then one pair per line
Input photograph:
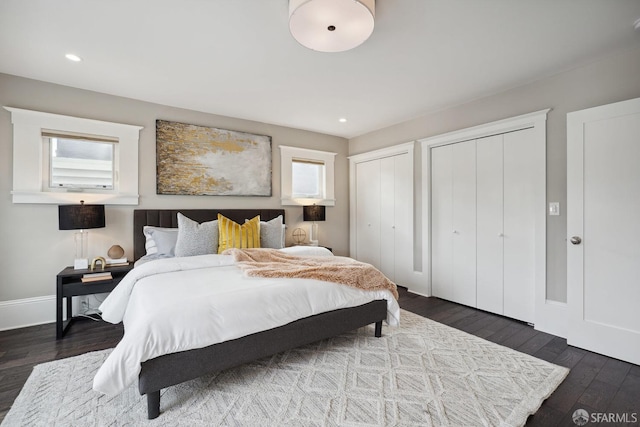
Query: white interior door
x,y
402,220
387,220
521,206
442,222
368,212
490,219
464,223
603,218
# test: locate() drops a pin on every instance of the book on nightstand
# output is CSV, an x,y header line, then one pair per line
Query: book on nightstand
x,y
96,277
111,262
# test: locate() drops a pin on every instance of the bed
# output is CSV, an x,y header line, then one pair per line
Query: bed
x,y
177,367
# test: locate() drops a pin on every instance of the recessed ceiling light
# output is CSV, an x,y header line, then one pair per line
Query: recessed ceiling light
x,y
72,57
342,120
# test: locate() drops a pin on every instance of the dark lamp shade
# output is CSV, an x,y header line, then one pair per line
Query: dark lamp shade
x,y
80,217
313,213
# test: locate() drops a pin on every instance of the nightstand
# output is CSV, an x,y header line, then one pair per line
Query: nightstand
x,y
69,284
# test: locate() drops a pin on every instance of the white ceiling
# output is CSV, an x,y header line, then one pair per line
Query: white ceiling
x,y
236,57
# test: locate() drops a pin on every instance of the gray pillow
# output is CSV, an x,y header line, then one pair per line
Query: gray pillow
x,y
195,238
160,240
272,233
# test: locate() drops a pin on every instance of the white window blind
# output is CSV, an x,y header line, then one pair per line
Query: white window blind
x,y
307,178
80,161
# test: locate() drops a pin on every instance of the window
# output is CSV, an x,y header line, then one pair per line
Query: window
x,y
306,176
64,159
307,179
81,163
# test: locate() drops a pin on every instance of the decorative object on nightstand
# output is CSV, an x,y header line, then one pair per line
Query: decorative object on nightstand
x,y
115,252
313,213
115,256
80,217
299,236
96,260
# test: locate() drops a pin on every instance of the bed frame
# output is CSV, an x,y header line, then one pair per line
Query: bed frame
x,y
175,368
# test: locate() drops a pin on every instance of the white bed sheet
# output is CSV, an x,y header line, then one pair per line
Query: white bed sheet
x,y
215,302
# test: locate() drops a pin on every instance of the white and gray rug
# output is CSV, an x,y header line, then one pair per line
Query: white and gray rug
x,y
420,374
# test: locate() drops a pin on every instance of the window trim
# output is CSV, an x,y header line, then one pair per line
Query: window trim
x,y
287,154
28,157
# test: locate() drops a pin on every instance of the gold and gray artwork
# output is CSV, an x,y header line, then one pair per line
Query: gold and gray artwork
x,y
199,160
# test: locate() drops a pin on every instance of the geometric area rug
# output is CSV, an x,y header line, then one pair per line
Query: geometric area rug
x,y
421,373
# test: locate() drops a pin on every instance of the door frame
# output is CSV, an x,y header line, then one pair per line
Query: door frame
x,y
575,220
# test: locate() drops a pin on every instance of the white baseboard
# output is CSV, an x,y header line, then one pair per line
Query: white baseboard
x,y
21,313
553,318
411,291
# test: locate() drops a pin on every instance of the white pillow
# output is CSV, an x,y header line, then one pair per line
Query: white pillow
x,y
272,233
195,238
160,240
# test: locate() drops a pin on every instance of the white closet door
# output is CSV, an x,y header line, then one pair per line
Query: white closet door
x,y
387,211
464,223
368,212
442,222
489,222
402,226
521,171
453,222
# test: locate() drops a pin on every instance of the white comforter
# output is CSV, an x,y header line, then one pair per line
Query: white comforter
x,y
178,304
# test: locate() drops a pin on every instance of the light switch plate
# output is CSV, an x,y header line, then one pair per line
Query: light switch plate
x,y
554,208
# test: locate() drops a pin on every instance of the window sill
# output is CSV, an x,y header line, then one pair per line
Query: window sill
x,y
286,201
74,197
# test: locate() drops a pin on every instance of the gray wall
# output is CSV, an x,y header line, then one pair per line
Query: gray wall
x,y
613,79
33,250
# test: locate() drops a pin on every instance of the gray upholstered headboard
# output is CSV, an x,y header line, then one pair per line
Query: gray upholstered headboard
x,y
168,218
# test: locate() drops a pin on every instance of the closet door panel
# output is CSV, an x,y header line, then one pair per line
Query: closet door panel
x,y
387,200
464,222
442,222
520,178
368,212
489,222
402,226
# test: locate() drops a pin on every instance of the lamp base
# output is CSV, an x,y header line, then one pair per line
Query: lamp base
x,y
80,264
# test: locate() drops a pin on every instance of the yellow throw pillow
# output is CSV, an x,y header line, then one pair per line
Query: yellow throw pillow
x,y
234,235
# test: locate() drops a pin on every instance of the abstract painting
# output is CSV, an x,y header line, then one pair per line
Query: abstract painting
x,y
199,160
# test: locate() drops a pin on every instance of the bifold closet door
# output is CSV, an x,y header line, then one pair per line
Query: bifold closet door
x,y
442,222
522,163
387,201
490,251
453,222
401,227
368,196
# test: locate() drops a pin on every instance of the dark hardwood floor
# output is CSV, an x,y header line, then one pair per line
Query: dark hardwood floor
x,y
596,383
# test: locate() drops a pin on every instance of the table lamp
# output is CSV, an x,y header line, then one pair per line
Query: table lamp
x,y
80,217
313,213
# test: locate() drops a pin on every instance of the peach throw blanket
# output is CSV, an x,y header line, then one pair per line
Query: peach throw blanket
x,y
347,271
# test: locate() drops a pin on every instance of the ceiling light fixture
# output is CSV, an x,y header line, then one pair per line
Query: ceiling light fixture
x,y
72,57
331,25
342,120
